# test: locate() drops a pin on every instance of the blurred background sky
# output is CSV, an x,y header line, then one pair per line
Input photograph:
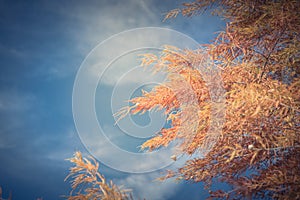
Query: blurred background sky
x,y
42,45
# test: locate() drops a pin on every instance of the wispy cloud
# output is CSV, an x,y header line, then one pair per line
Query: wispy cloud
x,y
46,42
113,151
145,186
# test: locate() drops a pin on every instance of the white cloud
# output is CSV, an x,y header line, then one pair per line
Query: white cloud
x,y
88,23
68,141
112,152
98,20
145,186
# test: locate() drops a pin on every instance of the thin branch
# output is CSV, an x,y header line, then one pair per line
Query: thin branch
x,y
269,55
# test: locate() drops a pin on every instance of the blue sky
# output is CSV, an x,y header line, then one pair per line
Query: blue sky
x,y
42,46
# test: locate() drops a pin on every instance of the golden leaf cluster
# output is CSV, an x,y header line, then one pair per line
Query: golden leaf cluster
x,y
89,184
258,56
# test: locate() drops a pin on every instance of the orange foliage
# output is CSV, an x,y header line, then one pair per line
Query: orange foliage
x,y
88,183
258,54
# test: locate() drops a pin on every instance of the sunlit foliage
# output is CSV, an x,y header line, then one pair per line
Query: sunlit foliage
x,y
88,184
258,55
